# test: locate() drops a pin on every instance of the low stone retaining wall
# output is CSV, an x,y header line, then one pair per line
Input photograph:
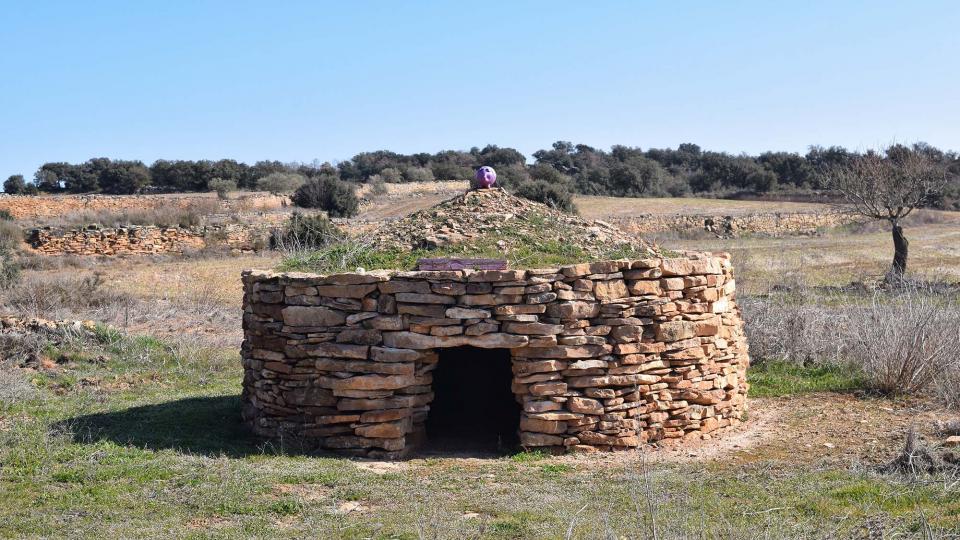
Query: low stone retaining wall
x,y
52,206
606,355
147,239
763,224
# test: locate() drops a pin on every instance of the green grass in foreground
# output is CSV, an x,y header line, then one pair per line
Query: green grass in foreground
x,y
136,438
774,379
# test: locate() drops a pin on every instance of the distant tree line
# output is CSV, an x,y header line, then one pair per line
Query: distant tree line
x,y
555,173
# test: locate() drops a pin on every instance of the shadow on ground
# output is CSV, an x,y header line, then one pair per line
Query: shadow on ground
x,y
211,426
200,425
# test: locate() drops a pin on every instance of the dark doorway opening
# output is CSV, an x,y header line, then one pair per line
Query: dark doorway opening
x,y
474,408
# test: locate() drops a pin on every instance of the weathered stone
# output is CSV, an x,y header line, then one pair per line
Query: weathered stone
x,y
525,368
676,267
386,430
539,439
449,288
481,328
393,322
548,388
337,350
496,276
398,286
410,340
465,313
541,406
385,415
418,298
359,336
573,310
312,316
345,291
374,382
532,328
542,426
364,366
675,330
560,351
585,405
609,290
644,287
519,309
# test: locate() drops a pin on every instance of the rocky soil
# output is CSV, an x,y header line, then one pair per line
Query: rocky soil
x,y
495,217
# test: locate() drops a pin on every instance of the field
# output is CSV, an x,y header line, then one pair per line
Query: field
x,y
133,431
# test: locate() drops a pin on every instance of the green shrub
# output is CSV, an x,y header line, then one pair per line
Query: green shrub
x,y
554,195
280,182
328,193
222,187
391,175
418,174
377,185
14,185
306,232
5,215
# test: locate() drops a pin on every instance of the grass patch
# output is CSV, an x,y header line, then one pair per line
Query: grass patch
x,y
350,255
166,456
774,379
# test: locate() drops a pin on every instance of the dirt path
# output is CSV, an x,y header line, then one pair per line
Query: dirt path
x,y
814,428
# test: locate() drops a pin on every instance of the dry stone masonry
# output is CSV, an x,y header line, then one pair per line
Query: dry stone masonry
x,y
605,355
149,239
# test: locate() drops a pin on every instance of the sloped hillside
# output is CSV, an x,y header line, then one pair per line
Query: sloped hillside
x,y
495,218
482,223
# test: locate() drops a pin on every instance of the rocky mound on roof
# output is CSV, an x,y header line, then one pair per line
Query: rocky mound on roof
x,y
493,220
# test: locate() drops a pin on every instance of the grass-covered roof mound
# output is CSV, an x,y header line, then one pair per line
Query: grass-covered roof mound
x,y
483,223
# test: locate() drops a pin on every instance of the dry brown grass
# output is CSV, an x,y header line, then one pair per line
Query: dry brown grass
x,y
595,207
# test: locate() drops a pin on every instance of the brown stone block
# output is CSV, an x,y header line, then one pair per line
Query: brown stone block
x,y
385,430
364,366
374,382
610,290
560,351
675,330
449,288
548,388
532,328
543,366
385,415
573,310
346,291
520,309
360,336
530,439
423,310
312,316
542,426
585,405
482,276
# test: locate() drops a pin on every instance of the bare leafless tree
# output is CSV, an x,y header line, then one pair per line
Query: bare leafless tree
x,y
889,187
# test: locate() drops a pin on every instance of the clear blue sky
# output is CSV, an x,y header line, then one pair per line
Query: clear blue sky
x,y
298,81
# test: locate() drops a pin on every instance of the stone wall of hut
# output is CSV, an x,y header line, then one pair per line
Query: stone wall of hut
x,y
605,356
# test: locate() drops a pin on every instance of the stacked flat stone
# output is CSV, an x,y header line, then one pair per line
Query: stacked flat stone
x,y
605,355
147,239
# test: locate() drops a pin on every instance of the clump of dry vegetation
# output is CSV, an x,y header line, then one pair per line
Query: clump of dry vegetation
x,y
902,341
54,296
184,215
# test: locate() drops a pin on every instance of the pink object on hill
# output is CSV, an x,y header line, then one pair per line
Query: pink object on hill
x,y
486,177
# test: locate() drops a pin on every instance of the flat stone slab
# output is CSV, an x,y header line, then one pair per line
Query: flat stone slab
x,y
461,264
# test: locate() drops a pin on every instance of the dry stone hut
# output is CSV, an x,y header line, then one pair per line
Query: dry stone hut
x,y
602,355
